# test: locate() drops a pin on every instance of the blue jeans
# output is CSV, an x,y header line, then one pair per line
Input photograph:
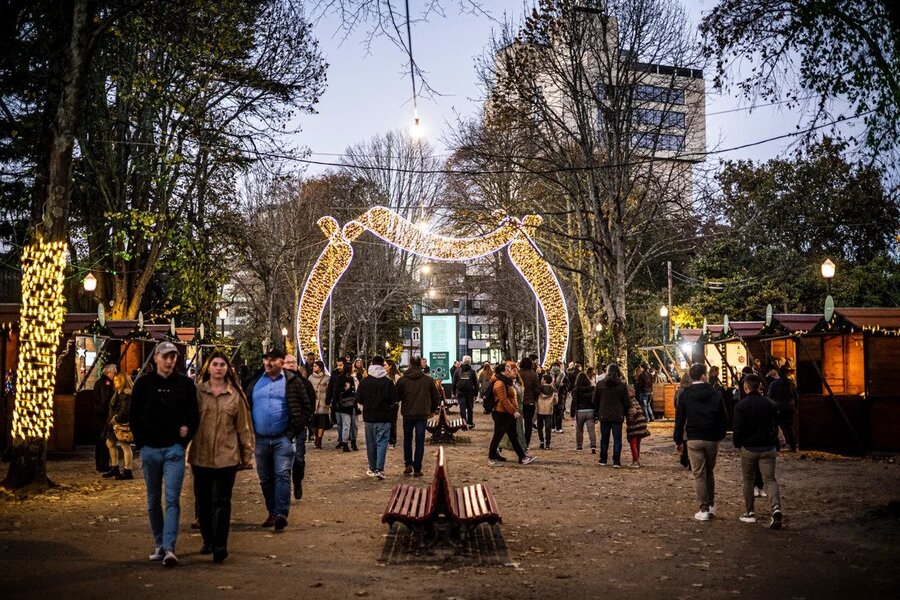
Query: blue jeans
x,y
300,451
616,428
274,458
465,407
345,427
645,399
414,427
163,465
377,435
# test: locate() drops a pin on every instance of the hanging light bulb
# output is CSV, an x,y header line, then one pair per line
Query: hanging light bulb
x,y
417,131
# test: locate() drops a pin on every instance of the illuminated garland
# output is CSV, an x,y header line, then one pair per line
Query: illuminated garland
x,y
511,233
43,310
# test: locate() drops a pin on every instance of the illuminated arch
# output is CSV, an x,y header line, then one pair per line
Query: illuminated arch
x,y
517,236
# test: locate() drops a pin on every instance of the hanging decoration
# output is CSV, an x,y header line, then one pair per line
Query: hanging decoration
x,y
516,235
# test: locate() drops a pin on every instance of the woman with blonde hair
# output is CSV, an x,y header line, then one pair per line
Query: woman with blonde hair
x,y
223,444
118,435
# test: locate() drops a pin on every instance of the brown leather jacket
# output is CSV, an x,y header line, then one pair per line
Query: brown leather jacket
x,y
225,435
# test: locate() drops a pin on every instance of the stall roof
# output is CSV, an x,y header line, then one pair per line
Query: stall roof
x,y
797,321
745,329
690,335
867,318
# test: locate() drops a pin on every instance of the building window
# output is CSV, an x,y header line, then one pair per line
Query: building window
x,y
663,141
653,93
658,118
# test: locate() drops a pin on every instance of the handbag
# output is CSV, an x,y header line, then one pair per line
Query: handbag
x,y
123,432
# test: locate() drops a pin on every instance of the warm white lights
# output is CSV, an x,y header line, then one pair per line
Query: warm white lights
x,y
514,234
284,332
598,327
417,130
43,309
432,294
828,269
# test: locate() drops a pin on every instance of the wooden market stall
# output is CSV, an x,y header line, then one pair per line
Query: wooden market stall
x,y
847,377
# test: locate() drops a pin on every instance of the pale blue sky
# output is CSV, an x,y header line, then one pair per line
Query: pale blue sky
x,y
369,93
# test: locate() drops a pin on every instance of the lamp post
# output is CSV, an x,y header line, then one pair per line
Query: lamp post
x,y
223,314
284,334
828,273
664,315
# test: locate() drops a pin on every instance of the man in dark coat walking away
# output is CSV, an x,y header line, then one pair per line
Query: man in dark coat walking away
x,y
783,392
377,394
419,399
465,384
756,434
701,416
281,410
611,403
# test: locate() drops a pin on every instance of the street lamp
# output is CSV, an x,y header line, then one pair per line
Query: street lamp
x,y
598,327
425,270
432,293
827,273
223,314
664,315
90,282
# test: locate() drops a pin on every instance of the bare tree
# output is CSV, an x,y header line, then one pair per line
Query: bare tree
x,y
596,100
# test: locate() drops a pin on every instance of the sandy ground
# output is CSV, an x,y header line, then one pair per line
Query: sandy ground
x,y
574,530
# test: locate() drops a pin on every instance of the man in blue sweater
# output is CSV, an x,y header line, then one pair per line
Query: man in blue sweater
x,y
756,433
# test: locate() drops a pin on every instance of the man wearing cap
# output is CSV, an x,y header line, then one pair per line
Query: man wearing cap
x,y
281,409
164,418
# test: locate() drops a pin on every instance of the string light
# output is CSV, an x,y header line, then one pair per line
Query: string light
x,y
511,233
43,309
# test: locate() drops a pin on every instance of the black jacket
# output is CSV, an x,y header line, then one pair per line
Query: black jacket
x,y
582,394
466,370
104,390
160,406
784,394
700,414
377,395
300,404
611,400
341,386
531,381
756,423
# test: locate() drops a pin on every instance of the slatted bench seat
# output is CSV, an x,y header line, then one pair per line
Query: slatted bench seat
x,y
442,427
442,508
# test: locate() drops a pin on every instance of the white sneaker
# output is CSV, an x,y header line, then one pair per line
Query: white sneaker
x,y
748,517
379,474
170,560
528,460
495,463
702,516
158,553
759,493
370,472
712,510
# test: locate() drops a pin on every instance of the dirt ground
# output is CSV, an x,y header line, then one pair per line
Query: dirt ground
x,y
573,529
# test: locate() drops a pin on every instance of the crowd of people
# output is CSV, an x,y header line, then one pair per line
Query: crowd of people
x,y
220,423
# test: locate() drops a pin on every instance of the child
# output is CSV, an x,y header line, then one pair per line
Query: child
x,y
636,427
545,404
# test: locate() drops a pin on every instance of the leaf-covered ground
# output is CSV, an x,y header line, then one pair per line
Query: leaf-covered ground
x,y
574,530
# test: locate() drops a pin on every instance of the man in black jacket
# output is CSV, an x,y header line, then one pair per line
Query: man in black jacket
x,y
280,408
756,433
701,415
104,390
377,394
164,418
465,386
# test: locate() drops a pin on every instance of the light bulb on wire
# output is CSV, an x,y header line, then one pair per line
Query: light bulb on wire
x,y
417,131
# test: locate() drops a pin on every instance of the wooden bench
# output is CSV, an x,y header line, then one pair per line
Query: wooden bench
x,y
442,510
442,427
450,402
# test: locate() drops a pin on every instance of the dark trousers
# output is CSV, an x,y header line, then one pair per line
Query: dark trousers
x,y
414,434
392,436
786,422
545,427
505,424
559,413
101,452
466,403
607,427
528,411
212,491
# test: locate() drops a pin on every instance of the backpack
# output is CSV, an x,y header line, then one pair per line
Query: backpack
x,y
465,383
488,400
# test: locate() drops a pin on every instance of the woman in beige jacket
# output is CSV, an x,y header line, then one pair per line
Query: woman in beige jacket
x,y
222,445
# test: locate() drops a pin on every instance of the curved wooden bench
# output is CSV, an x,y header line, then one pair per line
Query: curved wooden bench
x,y
458,510
442,427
